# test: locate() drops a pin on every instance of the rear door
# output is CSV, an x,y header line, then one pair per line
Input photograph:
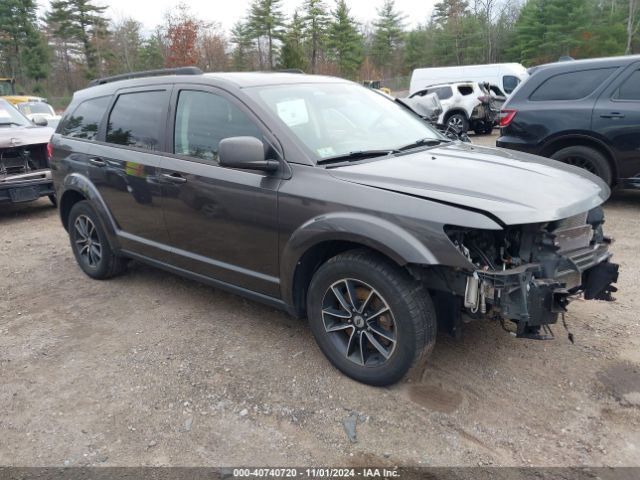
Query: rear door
x,y
617,117
125,168
222,222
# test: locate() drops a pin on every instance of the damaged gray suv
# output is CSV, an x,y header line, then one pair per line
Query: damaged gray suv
x,y
322,198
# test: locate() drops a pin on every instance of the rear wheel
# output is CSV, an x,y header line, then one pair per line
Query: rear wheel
x,y
370,318
485,128
458,122
586,158
90,244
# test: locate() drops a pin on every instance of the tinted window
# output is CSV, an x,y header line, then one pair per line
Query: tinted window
x,y
630,89
442,92
465,90
571,86
509,83
496,91
85,120
203,119
136,119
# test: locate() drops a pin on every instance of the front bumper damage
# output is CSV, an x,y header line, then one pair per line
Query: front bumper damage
x,y
530,276
522,296
25,187
24,173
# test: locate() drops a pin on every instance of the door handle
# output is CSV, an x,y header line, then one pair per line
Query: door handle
x,y
612,115
97,162
174,177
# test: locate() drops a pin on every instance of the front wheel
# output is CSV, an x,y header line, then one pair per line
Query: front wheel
x,y
370,318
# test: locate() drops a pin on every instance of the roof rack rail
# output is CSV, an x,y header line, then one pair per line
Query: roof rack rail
x,y
148,73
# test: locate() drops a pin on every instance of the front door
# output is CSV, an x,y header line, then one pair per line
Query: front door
x,y
617,117
222,222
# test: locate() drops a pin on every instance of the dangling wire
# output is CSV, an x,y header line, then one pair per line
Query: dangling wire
x,y
569,334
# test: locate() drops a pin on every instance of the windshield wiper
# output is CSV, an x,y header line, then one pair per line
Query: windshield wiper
x,y
424,142
357,155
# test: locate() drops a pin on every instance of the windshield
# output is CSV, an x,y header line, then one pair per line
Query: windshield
x,y
6,87
32,108
335,119
9,116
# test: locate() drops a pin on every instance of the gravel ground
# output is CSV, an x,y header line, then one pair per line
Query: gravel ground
x,y
153,369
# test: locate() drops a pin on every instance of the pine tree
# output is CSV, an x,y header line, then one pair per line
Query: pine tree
x,y
242,38
345,44
388,36
549,29
456,33
267,20
292,52
316,21
23,50
36,58
79,22
150,55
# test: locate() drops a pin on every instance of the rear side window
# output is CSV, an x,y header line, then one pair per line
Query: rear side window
x,y
571,86
85,120
630,89
443,93
136,119
509,83
496,91
465,89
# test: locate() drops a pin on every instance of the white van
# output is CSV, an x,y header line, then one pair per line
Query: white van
x,y
505,76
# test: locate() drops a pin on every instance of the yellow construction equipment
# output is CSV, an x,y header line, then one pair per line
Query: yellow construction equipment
x,y
8,92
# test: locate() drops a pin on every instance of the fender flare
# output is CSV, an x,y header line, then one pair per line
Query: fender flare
x,y
373,232
76,182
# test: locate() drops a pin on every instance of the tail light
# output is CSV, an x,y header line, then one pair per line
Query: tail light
x,y
49,151
506,117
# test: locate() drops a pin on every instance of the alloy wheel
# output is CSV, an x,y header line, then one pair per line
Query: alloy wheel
x,y
582,163
359,322
87,241
456,122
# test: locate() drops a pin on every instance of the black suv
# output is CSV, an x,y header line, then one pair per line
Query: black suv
x,y
330,201
584,113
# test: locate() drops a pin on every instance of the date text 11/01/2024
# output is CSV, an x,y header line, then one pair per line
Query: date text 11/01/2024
x,y
315,473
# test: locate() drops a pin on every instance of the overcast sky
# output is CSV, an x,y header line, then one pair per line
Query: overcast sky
x,y
227,12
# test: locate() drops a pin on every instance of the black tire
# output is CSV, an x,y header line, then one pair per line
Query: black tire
x,y
587,158
85,243
53,199
484,129
458,121
411,315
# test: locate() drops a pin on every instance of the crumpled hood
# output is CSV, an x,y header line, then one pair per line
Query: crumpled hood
x,y
515,187
19,136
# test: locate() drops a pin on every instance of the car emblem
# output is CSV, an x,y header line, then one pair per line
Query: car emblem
x,y
14,142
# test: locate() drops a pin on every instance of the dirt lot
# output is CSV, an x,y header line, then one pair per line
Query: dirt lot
x,y
152,369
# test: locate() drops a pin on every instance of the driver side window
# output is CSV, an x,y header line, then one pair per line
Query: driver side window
x,y
203,119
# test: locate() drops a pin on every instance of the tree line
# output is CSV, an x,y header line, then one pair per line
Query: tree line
x,y
75,41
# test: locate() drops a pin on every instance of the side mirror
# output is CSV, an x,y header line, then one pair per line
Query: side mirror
x,y
246,153
40,121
